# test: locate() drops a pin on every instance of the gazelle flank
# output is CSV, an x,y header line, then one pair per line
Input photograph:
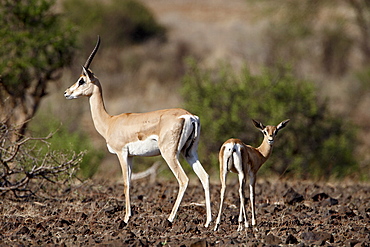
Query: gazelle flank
x,y
237,157
168,132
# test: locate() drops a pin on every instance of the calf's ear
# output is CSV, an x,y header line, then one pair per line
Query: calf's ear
x,y
258,125
282,125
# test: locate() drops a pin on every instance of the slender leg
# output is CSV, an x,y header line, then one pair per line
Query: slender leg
x,y
242,214
126,166
239,167
193,160
223,175
252,183
182,179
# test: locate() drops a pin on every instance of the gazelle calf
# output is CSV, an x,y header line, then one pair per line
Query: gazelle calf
x,y
237,157
169,133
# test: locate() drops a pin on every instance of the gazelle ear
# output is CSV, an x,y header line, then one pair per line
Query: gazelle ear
x,y
282,124
258,125
87,73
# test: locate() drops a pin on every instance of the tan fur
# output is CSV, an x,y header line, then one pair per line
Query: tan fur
x,y
166,132
245,160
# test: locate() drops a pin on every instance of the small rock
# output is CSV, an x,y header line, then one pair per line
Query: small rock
x,y
64,222
291,197
271,239
167,223
84,216
317,236
351,242
291,240
361,244
24,230
319,197
39,226
199,243
122,225
329,202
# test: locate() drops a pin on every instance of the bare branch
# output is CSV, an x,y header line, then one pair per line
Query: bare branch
x,y
16,158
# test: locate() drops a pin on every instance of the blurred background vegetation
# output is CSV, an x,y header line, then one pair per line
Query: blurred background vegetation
x,y
227,62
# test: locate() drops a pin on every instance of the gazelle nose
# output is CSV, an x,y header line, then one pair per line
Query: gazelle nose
x,y
66,95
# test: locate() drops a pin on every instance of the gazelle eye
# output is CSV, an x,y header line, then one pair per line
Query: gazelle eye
x,y
264,132
81,82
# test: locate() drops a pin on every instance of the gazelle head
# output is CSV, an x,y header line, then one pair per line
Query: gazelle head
x,y
85,83
269,131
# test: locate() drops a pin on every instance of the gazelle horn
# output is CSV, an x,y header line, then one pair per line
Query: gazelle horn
x,y
90,58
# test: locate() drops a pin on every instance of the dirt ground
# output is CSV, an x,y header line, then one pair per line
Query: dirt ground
x,y
299,213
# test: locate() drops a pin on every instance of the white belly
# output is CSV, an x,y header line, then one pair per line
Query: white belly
x,y
147,147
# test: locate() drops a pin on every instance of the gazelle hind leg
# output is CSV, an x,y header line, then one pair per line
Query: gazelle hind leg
x,y
242,214
192,159
182,179
189,146
239,168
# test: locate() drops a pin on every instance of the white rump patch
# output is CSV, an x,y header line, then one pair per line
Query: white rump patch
x,y
232,153
228,149
188,128
147,147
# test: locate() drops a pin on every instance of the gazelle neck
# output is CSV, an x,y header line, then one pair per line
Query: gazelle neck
x,y
99,115
265,148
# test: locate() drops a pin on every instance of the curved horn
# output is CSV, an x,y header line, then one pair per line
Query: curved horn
x,y
90,58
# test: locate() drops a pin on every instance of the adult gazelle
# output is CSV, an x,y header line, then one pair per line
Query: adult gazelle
x,y
168,132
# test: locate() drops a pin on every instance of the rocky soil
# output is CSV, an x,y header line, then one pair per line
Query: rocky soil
x,y
288,213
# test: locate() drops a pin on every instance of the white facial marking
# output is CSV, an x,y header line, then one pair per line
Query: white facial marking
x,y
147,147
269,134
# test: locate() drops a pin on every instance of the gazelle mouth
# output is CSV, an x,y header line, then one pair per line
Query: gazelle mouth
x,y
271,142
69,97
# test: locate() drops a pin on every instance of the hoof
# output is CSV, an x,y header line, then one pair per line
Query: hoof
x,y
167,223
122,224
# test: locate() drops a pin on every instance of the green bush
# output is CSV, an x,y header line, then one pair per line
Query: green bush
x,y
316,144
119,22
66,141
36,43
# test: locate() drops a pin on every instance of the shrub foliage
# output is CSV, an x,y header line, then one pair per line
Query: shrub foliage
x,y
35,44
316,144
118,22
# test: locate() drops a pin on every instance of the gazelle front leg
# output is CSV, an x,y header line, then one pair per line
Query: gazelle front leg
x,y
242,213
252,184
126,166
